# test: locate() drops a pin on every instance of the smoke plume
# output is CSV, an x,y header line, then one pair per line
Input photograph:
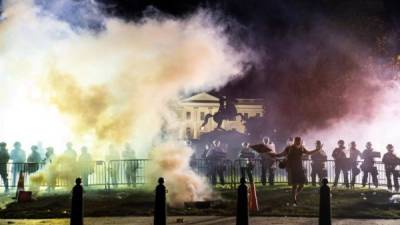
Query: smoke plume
x,y
112,84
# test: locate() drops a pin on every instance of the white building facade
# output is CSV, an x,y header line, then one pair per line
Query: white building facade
x,y
193,110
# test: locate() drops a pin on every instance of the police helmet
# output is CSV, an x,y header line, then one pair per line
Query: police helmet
x,y
266,140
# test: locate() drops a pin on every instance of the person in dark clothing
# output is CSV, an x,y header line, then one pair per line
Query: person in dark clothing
x,y
247,160
296,172
318,164
4,158
77,204
354,154
390,160
216,160
268,164
49,156
368,165
34,160
205,165
340,158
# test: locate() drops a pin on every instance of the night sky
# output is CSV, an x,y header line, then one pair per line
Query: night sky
x,y
313,55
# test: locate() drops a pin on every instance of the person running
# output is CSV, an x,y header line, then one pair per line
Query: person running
x,y
296,172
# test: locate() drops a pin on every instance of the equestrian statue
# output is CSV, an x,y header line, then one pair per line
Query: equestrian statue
x,y
226,111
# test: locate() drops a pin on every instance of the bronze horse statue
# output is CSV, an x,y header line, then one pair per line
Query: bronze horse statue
x,y
226,111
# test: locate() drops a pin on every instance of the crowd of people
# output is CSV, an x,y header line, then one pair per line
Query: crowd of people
x,y
346,162
40,157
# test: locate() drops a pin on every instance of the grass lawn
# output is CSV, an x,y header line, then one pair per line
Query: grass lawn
x,y
358,203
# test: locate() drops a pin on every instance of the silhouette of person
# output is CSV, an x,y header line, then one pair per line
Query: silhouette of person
x,y
296,172
113,165
368,165
216,159
34,160
4,157
77,204
318,164
18,157
339,156
268,164
390,160
49,156
354,154
70,153
247,158
131,165
85,163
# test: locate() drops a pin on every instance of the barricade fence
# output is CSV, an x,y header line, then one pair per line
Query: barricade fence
x,y
130,173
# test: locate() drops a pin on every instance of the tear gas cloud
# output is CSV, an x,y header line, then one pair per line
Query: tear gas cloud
x,y
342,91
115,84
323,77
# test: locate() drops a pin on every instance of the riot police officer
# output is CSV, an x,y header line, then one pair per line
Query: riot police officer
x,y
18,157
215,159
268,164
339,156
4,157
70,152
368,165
131,165
34,160
390,160
86,165
354,154
318,164
247,161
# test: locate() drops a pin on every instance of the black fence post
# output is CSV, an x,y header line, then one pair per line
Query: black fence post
x,y
77,204
242,211
160,209
325,204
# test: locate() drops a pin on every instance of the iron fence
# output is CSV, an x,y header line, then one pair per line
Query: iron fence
x,y
117,173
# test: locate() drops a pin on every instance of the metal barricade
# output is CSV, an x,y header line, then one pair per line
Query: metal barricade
x,y
129,173
126,172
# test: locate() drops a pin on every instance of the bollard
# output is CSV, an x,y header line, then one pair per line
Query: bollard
x,y
242,211
77,203
325,204
160,209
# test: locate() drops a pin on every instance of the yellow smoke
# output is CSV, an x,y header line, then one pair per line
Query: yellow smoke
x,y
171,161
62,171
112,86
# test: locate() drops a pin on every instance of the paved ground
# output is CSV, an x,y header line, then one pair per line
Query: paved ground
x,y
209,220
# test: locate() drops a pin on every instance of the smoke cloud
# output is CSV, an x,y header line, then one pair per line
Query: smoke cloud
x,y
113,84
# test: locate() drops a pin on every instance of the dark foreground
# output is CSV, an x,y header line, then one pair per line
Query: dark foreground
x,y
209,220
359,203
